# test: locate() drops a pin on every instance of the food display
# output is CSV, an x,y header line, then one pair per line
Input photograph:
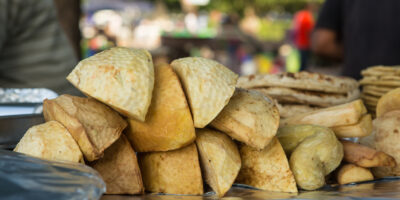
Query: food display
x,y
303,91
377,81
171,128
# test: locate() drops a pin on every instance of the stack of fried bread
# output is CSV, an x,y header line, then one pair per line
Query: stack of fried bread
x,y
171,127
303,91
376,82
181,118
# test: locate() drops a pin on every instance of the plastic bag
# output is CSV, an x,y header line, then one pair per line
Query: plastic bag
x,y
25,177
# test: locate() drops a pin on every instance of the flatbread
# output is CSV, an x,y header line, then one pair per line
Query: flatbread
x,y
382,89
378,81
383,78
381,70
373,93
295,96
289,110
301,80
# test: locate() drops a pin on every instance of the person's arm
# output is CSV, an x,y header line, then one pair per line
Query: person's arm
x,y
325,43
326,39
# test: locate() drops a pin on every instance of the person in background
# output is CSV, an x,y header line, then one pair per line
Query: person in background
x,y
303,26
360,33
34,51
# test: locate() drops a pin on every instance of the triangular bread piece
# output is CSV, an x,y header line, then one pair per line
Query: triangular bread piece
x,y
220,159
340,115
250,117
119,77
362,128
169,123
208,86
119,169
50,141
93,125
267,169
172,172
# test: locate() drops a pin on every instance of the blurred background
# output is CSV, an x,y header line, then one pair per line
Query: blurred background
x,y
248,36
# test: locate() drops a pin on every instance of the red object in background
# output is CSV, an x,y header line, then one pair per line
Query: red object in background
x,y
303,24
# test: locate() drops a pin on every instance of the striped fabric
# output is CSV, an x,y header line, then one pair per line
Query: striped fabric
x,y
34,52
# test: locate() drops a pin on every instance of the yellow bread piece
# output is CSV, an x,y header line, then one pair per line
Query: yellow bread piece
x,y
168,124
119,169
361,129
351,173
93,125
340,115
266,169
220,159
172,172
119,77
250,117
50,141
208,86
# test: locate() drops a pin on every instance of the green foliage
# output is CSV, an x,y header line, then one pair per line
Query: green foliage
x,y
273,30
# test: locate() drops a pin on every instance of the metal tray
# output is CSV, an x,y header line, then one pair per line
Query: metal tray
x,y
12,128
387,188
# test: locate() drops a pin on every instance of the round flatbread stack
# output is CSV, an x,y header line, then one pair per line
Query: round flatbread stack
x,y
377,81
303,91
